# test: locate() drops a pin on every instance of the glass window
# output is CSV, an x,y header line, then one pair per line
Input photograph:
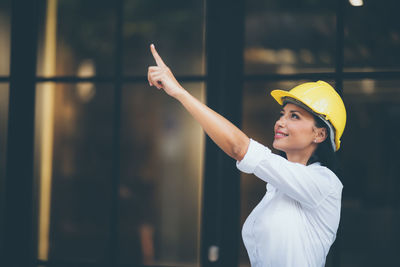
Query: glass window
x,y
372,36
370,160
289,36
161,178
4,99
5,37
74,35
73,154
176,27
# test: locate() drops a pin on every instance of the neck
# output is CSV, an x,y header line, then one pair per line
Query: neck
x,y
300,156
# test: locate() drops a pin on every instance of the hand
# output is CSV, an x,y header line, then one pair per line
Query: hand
x,y
161,76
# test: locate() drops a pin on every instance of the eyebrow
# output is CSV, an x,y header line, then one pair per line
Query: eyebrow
x,y
293,111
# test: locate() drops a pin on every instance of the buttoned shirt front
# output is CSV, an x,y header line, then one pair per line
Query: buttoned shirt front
x,y
296,222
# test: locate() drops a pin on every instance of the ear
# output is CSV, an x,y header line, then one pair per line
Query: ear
x,y
320,135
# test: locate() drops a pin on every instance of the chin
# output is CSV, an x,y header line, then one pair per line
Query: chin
x,y
277,146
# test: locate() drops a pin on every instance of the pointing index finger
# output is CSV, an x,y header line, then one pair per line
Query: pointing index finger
x,y
156,56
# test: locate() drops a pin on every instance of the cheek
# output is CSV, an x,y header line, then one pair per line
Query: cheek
x,y
301,131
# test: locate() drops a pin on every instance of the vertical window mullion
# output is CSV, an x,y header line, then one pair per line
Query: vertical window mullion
x,y
339,57
221,206
19,234
114,214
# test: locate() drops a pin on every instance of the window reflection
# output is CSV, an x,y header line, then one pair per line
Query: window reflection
x,y
372,36
73,152
77,35
289,36
5,39
176,26
371,196
161,178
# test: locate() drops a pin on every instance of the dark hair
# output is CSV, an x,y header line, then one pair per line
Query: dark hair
x,y
324,153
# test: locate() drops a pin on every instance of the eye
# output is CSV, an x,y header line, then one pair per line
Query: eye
x,y
281,114
295,116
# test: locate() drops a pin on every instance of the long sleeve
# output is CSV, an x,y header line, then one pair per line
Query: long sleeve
x,y
309,185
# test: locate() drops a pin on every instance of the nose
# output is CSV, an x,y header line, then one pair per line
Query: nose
x,y
280,122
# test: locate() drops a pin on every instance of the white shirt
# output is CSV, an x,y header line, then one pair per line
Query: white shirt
x,y
296,222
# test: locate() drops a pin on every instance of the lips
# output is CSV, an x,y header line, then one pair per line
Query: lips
x,y
279,134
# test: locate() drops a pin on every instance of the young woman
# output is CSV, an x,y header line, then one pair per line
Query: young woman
x,y
296,222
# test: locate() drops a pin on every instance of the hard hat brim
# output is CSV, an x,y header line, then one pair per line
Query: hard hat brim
x,y
278,95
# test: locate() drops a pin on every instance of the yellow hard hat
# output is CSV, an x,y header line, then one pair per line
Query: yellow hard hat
x,y
322,99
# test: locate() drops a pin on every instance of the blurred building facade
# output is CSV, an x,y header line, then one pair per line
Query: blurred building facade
x,y
123,176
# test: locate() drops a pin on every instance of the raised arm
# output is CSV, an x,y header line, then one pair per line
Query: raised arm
x,y
226,135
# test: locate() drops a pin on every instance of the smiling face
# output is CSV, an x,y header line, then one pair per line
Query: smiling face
x,y
296,133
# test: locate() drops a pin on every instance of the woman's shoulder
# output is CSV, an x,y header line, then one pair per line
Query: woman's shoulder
x,y
326,173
